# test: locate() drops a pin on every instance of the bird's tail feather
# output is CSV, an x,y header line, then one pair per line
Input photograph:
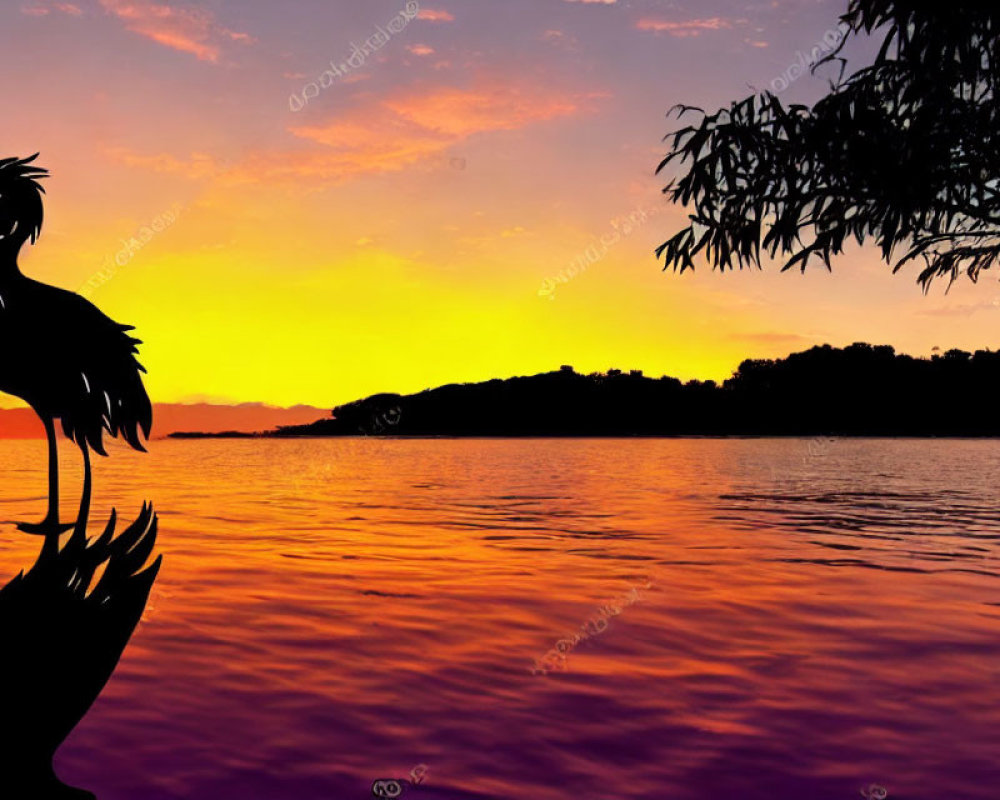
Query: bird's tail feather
x,y
112,398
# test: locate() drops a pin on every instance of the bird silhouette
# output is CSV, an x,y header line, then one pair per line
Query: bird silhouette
x,y
61,354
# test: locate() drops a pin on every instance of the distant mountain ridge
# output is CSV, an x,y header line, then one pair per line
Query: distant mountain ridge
x,y
860,390
22,423
246,417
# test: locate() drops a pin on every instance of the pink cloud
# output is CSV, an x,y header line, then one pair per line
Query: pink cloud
x,y
408,128
692,27
199,166
433,15
560,38
189,30
386,135
44,8
458,113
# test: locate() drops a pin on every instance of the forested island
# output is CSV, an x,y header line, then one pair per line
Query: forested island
x,y
860,390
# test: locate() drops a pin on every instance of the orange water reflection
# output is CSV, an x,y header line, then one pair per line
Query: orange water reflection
x,y
332,612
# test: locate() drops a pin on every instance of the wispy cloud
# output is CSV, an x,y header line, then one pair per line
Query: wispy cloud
x,y
189,30
435,15
560,38
197,167
691,27
387,135
459,113
406,129
43,9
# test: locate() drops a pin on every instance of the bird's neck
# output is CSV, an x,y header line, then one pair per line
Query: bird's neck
x,y
9,269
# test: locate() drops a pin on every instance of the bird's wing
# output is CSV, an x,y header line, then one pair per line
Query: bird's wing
x,y
99,375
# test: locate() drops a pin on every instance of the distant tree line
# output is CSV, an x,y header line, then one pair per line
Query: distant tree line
x,y
860,390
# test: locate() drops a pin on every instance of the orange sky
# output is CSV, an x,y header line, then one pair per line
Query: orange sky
x,y
393,233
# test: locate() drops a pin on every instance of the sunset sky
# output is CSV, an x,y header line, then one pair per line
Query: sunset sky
x,y
393,232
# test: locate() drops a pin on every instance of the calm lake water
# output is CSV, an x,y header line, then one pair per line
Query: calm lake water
x,y
809,618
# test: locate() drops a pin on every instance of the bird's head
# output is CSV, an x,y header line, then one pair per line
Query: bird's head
x,y
20,202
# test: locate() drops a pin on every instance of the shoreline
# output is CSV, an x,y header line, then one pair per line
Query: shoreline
x,y
195,435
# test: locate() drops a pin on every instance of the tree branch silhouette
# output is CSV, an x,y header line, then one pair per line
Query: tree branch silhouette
x,y
903,152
